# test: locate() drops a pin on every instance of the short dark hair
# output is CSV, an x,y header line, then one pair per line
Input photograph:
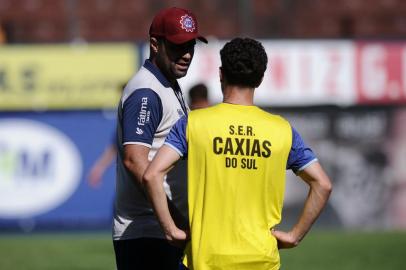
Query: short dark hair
x,y
243,62
198,92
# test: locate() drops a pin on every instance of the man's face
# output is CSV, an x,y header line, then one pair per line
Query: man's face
x,y
174,59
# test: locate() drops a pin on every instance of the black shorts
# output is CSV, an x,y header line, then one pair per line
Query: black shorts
x,y
147,254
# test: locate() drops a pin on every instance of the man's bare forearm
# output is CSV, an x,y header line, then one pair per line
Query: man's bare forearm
x,y
153,182
316,200
320,189
154,186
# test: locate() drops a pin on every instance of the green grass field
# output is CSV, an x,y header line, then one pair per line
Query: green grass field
x,y
321,250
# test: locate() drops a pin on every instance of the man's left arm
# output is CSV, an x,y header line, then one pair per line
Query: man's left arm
x,y
153,180
304,163
320,188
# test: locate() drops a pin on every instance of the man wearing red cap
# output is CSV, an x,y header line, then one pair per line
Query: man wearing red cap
x,y
150,105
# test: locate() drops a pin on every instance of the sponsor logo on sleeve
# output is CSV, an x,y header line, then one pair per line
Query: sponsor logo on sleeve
x,y
139,131
144,114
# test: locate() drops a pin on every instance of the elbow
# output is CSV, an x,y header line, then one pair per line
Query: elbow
x,y
327,186
147,178
150,178
132,168
127,164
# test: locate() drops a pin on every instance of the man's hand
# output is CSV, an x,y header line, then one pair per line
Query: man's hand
x,y
177,237
285,239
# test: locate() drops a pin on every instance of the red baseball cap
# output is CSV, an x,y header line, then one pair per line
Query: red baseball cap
x,y
176,25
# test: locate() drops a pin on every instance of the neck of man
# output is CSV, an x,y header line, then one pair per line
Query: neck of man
x,y
172,81
238,95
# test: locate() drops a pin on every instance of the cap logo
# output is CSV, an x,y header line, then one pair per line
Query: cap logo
x,y
187,23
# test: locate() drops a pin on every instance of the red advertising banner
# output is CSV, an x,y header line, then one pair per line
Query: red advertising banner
x,y
381,72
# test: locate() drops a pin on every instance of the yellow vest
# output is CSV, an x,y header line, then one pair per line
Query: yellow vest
x,y
236,181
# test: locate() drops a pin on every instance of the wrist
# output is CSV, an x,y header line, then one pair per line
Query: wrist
x,y
296,237
170,230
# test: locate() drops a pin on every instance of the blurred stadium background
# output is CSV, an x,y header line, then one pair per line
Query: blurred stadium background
x,y
337,71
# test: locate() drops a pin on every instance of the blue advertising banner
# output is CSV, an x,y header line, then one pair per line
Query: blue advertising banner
x,y
45,159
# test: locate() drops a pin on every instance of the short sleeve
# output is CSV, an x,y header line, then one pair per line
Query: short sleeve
x,y
177,137
300,155
142,113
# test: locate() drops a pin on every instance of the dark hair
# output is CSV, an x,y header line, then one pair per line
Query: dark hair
x,y
243,62
198,91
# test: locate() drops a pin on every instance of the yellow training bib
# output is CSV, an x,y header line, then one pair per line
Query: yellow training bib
x,y
236,180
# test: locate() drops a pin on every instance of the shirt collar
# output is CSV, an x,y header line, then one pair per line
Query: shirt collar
x,y
157,73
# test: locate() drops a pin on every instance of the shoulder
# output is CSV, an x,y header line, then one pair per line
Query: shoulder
x,y
143,79
205,112
141,95
275,118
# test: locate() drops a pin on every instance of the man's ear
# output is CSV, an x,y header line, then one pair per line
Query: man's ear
x,y
153,45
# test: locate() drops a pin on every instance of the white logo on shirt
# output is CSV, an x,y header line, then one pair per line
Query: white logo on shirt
x,y
139,131
144,114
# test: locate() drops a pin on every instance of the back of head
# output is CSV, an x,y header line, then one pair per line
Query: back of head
x,y
243,62
198,96
198,91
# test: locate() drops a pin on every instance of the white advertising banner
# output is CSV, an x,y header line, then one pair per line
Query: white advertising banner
x,y
314,72
298,73
40,168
